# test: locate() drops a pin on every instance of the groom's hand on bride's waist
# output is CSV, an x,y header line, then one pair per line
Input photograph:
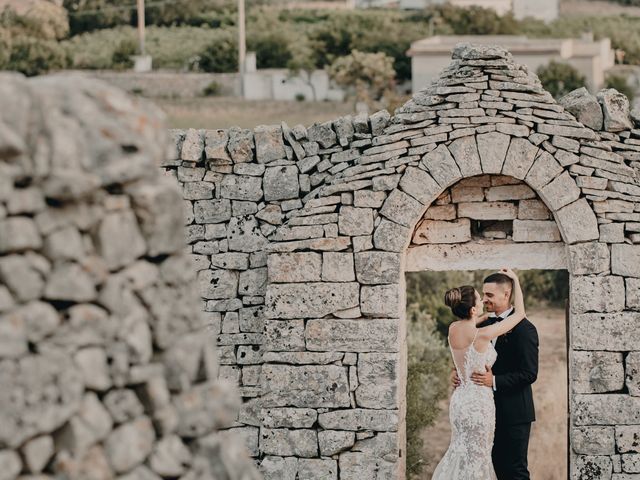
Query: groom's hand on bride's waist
x,y
483,378
455,381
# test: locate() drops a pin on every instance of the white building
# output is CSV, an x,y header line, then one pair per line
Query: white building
x,y
591,58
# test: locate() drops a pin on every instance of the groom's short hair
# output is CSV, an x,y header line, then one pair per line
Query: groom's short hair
x,y
500,279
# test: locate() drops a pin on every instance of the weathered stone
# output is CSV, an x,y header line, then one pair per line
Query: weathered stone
x,y
519,158
593,440
577,222
37,452
442,167
240,145
18,234
291,300
241,187
305,386
584,106
589,258
318,469
10,463
401,208
269,143
70,282
420,185
436,231
253,281
492,148
218,284
632,373
377,381
332,442
380,300
355,465
535,231
92,363
193,146
295,267
606,409
560,192
119,239
633,293
279,468
205,407
359,419
465,153
597,372
288,417
123,405
92,424
170,457
338,267
215,145
593,466
488,211
281,441
615,107
281,183
533,210
375,335
244,235
509,192
617,331
628,438
463,193
441,212
284,335
323,134
355,221
129,445
374,268
625,260
64,244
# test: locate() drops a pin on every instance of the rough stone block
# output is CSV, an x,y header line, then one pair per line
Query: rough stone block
x,y
628,438
560,192
619,331
606,409
594,466
241,145
584,106
615,107
597,372
441,212
533,210
212,211
360,419
577,222
535,231
253,281
338,267
625,260
462,194
492,148
293,267
442,167
377,381
281,183
488,211
288,417
279,468
589,258
402,208
269,143
128,445
282,441
465,153
436,231
218,284
308,386
380,300
519,158
284,335
593,440
308,300
633,293
390,236
374,267
361,335
332,442
318,469
420,185
632,373
241,187
354,221
244,235
357,465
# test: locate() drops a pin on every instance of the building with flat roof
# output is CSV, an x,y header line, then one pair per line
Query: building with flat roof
x,y
591,58
546,10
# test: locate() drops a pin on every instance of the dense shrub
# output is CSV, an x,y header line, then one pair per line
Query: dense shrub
x,y
33,56
219,56
560,78
121,58
621,84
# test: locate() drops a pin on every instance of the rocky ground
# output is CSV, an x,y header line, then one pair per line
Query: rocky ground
x,y
548,448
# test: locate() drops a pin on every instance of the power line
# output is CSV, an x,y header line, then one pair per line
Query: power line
x,y
120,8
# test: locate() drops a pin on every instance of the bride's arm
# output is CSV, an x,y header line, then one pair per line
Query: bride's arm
x,y
499,328
482,318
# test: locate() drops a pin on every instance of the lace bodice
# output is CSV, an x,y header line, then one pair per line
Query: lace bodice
x,y
469,360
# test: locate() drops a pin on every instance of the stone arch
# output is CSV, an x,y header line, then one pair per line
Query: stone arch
x,y
300,234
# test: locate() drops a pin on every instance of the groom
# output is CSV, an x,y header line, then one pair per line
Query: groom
x,y
515,369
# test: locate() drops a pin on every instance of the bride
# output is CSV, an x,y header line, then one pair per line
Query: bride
x,y
472,409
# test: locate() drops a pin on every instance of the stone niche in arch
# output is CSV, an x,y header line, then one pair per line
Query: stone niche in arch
x,y
302,236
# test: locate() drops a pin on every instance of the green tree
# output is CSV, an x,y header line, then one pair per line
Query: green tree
x,y
560,78
33,56
219,56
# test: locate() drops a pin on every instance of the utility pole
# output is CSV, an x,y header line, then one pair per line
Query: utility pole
x,y
242,44
141,26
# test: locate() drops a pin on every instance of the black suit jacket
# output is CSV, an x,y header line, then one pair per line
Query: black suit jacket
x,y
515,369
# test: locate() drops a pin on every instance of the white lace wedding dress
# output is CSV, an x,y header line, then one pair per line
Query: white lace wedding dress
x,y
472,416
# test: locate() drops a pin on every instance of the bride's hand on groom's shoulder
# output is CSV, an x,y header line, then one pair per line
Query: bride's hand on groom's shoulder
x,y
509,273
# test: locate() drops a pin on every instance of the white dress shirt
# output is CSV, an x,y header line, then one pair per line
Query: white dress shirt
x,y
494,340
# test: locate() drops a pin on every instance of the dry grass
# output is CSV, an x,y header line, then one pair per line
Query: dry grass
x,y
218,112
548,445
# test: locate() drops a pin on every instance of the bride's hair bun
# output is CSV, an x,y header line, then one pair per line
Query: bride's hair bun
x,y
461,300
452,297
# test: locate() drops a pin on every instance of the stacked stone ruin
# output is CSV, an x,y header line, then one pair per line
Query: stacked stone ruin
x,y
106,370
301,238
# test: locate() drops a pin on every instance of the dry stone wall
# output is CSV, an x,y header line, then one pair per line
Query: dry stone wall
x,y
106,370
301,235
